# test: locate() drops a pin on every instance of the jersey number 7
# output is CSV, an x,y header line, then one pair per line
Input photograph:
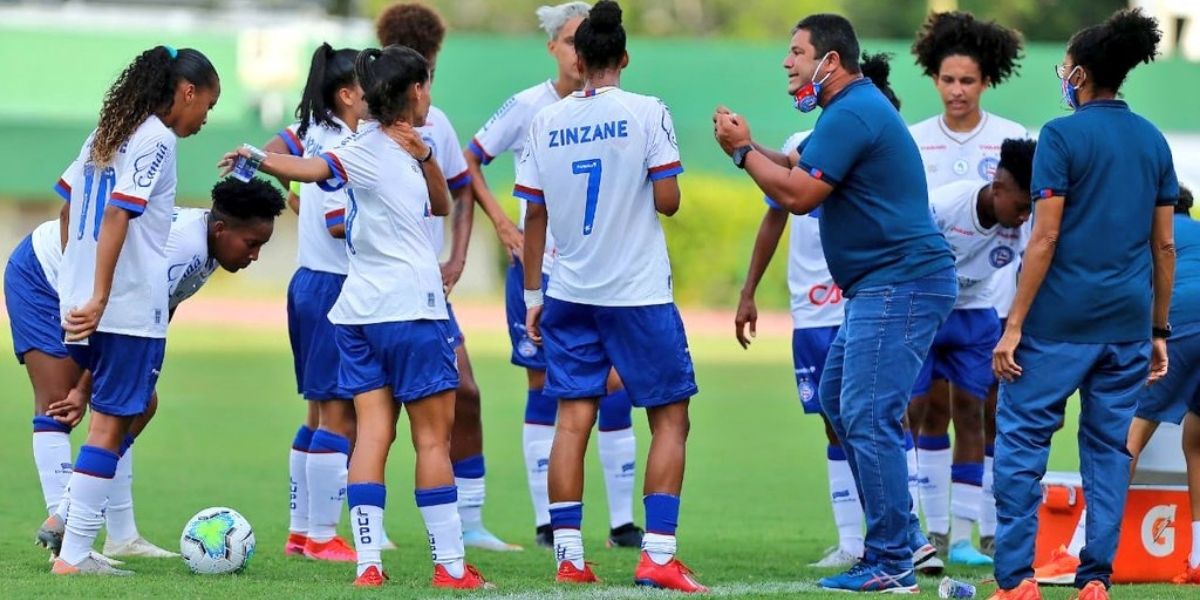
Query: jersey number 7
x,y
593,168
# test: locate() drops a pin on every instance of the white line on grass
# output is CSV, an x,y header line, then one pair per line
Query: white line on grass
x,y
615,593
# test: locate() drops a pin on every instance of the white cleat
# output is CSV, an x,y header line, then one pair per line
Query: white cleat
x,y
835,558
112,562
485,540
138,547
88,566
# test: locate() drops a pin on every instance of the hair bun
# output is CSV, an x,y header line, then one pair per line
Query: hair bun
x,y
605,16
877,68
1134,35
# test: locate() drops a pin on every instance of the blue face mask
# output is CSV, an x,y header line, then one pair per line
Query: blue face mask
x,y
1070,93
805,99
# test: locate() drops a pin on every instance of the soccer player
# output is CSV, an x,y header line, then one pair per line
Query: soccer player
x,y
816,306
506,131
862,168
230,235
964,57
396,345
1083,317
596,169
329,112
113,280
420,28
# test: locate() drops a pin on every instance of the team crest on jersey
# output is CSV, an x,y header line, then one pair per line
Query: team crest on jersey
x,y
987,168
806,390
526,348
1001,256
960,167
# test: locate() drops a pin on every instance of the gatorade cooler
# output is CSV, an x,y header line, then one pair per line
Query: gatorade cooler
x,y
1156,531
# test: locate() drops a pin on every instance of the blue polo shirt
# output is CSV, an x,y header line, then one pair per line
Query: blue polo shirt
x,y
876,228
1185,298
1113,168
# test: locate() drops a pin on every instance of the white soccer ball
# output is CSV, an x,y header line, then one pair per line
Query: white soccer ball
x,y
217,540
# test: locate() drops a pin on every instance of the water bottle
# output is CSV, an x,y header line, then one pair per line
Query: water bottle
x,y
950,588
244,167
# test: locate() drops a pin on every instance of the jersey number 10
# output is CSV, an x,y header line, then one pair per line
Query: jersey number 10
x,y
593,168
103,189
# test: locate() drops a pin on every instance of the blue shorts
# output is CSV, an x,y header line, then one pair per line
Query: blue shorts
x,y
646,344
810,347
311,295
124,370
1168,400
414,358
455,331
962,352
525,353
32,305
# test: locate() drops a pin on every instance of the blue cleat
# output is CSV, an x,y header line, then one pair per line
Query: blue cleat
x,y
963,553
863,577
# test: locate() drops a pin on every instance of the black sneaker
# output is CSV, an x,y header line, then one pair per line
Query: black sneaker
x,y
625,536
544,538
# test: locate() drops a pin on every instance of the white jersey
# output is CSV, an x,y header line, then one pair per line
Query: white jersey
x,y
439,135
394,274
189,268
816,300
950,156
979,252
507,131
316,249
592,159
141,180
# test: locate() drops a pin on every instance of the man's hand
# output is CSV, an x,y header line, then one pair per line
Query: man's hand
x,y
731,130
747,314
1158,360
1004,361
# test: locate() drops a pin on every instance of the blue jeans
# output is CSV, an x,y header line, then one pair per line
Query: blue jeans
x,y
1109,378
864,392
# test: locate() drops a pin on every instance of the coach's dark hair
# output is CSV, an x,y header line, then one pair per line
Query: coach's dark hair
x,y
1016,157
146,87
993,47
330,71
1110,50
246,201
1184,205
877,68
600,38
414,25
832,33
385,76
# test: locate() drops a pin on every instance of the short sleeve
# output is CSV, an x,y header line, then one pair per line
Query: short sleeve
x,y
529,180
351,163
147,162
333,205
662,151
501,133
293,142
1168,182
1051,166
71,175
835,145
450,157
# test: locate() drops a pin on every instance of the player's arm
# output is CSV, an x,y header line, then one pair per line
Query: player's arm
x,y
535,245
506,230
463,211
797,190
64,223
293,197
1162,246
765,244
83,321
291,145
1039,253
666,196
284,167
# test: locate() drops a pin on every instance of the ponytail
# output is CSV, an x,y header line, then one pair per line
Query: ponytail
x,y
331,70
385,76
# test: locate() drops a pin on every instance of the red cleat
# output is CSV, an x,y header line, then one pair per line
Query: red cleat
x,y
334,550
1059,570
1026,590
567,573
295,544
1189,577
672,576
1094,590
471,579
372,577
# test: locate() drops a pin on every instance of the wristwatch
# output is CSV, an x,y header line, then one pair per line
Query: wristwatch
x,y
739,155
427,156
1161,332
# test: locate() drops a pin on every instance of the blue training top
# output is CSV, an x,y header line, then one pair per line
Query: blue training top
x,y
1185,298
876,227
1112,167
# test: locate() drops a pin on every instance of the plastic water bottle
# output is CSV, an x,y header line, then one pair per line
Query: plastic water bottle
x,y
950,588
244,167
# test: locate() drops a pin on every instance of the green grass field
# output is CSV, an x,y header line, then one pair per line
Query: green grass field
x,y
755,510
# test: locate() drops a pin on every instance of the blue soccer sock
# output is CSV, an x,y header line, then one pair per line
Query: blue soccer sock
x,y
325,473
566,519
89,487
469,479
662,519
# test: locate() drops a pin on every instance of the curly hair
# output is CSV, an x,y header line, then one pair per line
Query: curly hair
x,y
1016,157
600,39
1184,206
385,76
245,201
146,87
877,68
1111,50
414,25
995,48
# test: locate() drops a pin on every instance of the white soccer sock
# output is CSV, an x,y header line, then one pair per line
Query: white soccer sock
x,y
445,529
618,455
367,523
537,441
914,482
298,476
847,508
661,548
987,502
1194,557
471,494
325,473
1079,538
933,467
568,546
90,485
52,456
118,515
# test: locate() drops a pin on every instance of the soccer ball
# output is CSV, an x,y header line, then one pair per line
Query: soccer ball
x,y
217,540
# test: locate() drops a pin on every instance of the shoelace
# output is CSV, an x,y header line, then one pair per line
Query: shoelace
x,y
859,568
